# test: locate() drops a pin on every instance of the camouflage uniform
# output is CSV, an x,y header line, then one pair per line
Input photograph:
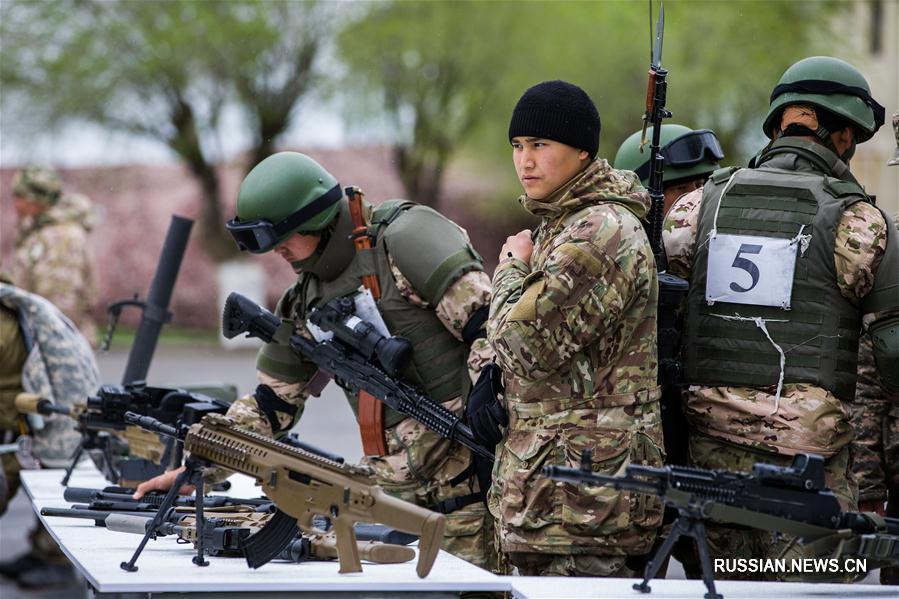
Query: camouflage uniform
x,y
875,416
42,353
575,334
419,463
53,258
733,427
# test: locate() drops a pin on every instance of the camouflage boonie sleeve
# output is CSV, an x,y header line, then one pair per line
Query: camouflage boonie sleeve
x,y
860,244
462,299
870,408
679,233
538,320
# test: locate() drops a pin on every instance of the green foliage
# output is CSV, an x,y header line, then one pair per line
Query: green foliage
x,y
165,70
434,70
447,74
441,77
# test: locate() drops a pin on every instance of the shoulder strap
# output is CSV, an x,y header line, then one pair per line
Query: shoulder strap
x,y
387,212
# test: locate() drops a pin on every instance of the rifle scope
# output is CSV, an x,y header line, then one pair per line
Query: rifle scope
x,y
339,317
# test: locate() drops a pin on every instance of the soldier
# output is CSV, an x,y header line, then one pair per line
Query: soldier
x,y
42,352
783,259
53,258
690,157
875,416
434,293
573,323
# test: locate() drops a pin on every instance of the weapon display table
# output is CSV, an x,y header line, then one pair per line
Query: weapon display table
x,y
165,565
535,587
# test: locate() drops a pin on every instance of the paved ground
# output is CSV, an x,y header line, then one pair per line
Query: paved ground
x,y
327,422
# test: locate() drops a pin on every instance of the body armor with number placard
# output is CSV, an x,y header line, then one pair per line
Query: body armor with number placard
x,y
738,343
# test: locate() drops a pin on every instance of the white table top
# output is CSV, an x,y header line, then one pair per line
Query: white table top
x,y
535,587
165,565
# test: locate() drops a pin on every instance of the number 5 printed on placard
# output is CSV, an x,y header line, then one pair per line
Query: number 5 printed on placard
x,y
747,265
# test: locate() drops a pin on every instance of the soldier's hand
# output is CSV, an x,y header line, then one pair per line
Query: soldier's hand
x,y
163,482
873,505
519,245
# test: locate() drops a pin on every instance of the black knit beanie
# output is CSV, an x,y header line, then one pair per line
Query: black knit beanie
x,y
559,111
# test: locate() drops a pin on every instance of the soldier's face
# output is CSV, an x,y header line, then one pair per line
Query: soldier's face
x,y
298,247
543,165
676,190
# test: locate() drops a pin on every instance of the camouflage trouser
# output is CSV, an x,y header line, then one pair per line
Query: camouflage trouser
x,y
420,467
543,564
42,544
736,542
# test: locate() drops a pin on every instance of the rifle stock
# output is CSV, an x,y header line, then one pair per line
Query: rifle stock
x,y
304,485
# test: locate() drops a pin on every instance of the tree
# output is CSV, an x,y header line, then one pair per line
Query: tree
x,y
166,71
446,75
432,70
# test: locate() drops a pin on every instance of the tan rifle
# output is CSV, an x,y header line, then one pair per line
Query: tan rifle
x,y
302,485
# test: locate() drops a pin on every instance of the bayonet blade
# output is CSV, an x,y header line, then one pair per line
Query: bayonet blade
x,y
660,35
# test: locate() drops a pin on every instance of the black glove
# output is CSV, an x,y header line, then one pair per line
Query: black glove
x,y
485,414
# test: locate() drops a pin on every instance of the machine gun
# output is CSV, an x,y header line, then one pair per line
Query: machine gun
x,y
225,533
357,356
791,500
302,485
101,420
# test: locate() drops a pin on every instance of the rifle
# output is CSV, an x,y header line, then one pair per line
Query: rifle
x,y
672,289
120,500
301,484
101,419
371,411
791,500
226,533
357,356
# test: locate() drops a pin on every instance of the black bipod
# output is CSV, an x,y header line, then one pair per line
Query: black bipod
x,y
91,440
690,526
192,475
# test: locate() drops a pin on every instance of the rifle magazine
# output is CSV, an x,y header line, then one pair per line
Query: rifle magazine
x,y
271,541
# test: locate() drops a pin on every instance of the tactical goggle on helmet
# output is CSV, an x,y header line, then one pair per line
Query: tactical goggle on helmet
x,y
261,235
286,193
687,150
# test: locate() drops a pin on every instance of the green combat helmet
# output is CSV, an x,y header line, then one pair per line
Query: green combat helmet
x,y
286,193
828,83
688,153
40,184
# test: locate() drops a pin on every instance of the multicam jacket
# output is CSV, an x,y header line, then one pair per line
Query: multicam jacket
x,y
875,417
575,333
808,418
53,259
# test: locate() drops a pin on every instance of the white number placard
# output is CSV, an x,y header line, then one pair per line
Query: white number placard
x,y
745,269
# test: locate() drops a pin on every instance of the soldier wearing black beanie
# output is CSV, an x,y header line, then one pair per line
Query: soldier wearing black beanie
x,y
559,111
573,324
